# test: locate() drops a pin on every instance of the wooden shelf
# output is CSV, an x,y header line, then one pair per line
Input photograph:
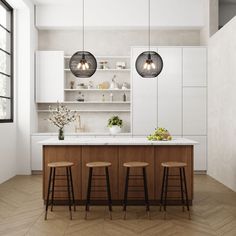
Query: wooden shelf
x,y
109,57
89,102
107,70
98,90
88,111
98,102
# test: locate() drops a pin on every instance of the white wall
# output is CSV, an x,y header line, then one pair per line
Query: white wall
x,y
113,14
113,42
8,151
26,36
15,137
221,105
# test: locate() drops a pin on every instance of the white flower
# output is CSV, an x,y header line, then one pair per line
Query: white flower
x,y
61,115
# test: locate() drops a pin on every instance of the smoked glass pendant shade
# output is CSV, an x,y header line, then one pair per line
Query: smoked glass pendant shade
x,y
149,64
83,64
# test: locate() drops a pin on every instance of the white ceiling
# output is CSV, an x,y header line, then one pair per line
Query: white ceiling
x,y
66,2
54,2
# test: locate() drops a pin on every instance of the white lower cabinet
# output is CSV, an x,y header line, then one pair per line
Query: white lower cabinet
x,y
36,151
200,152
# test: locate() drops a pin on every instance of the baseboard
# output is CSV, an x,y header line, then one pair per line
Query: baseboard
x,y
36,172
200,172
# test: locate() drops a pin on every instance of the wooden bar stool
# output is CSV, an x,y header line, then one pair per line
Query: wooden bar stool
x,y
91,166
128,166
51,184
183,184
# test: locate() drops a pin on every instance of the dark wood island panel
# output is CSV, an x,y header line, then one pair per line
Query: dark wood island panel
x,y
117,155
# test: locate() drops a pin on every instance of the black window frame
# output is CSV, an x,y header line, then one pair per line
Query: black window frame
x,y
11,54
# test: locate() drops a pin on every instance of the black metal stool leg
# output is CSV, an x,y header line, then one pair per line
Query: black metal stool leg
x,y
182,189
72,188
88,192
108,191
166,189
126,192
146,191
53,184
162,188
48,194
186,191
68,189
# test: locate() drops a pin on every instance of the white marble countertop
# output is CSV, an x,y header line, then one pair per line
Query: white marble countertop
x,y
115,141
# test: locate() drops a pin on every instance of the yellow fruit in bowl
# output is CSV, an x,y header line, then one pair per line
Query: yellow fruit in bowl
x,y
160,134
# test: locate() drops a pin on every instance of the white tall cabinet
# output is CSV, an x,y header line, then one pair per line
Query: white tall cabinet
x,y
176,100
195,101
49,76
169,109
144,99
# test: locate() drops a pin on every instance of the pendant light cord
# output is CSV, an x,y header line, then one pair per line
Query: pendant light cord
x,y
83,24
149,31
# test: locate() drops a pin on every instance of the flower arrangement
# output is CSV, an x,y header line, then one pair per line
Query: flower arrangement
x,y
61,116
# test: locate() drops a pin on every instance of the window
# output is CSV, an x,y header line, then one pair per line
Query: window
x,y
6,62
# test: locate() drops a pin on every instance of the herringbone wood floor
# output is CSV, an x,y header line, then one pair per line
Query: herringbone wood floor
x,y
22,213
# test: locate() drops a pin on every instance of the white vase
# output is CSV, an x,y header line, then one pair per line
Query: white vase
x,y
115,129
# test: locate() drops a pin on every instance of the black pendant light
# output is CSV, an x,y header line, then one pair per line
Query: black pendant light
x,y
149,64
83,64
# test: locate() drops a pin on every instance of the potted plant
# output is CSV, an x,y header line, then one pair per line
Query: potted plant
x,y
115,124
61,116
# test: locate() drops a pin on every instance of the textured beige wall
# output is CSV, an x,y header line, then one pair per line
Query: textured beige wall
x,y
117,42
222,105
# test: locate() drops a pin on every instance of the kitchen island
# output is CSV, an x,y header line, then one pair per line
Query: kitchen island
x,y
118,151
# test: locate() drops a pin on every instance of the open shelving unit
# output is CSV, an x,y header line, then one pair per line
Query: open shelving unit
x,y
99,104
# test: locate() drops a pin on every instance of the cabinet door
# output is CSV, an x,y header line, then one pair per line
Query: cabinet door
x,y
144,98
200,152
37,152
49,76
170,91
194,111
194,67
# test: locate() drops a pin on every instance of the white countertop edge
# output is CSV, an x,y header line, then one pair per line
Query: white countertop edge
x,y
83,134
115,141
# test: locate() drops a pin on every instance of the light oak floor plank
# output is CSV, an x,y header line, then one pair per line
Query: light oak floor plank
x,y
22,213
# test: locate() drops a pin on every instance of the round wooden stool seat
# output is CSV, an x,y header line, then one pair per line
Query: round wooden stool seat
x,y
98,164
60,164
173,164
135,164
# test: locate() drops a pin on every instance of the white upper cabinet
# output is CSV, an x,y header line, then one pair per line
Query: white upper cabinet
x,y
194,67
170,91
194,111
108,14
49,76
144,97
